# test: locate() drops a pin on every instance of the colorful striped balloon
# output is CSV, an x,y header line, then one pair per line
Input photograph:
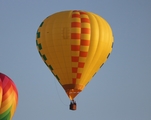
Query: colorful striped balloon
x,y
8,97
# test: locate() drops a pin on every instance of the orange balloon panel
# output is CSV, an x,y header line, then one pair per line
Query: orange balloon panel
x,y
74,45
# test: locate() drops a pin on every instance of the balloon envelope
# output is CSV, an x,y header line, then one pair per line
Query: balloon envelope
x,y
74,45
8,97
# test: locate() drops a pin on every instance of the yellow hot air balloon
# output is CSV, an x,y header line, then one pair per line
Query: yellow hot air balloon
x,y
74,45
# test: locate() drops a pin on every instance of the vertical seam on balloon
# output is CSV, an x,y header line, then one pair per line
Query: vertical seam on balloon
x,y
63,58
55,52
103,50
97,47
75,48
83,43
84,81
43,55
107,44
98,38
49,65
86,32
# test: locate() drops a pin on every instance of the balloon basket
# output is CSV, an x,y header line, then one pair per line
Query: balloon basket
x,y
73,105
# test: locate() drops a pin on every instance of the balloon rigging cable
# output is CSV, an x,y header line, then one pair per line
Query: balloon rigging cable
x,y
58,93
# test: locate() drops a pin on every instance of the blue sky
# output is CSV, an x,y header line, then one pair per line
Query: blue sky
x,y
121,90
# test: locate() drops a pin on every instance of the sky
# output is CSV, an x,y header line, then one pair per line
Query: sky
x,y
121,90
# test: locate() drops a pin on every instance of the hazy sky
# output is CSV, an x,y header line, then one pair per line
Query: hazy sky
x,y
121,90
